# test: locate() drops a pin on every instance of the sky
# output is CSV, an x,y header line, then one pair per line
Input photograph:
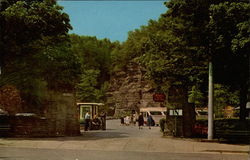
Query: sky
x,y
111,19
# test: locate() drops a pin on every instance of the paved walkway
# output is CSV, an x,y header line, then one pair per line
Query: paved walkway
x,y
126,138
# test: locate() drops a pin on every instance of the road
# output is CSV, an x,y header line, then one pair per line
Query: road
x,y
119,143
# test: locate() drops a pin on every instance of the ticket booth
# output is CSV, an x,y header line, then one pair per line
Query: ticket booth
x,y
92,108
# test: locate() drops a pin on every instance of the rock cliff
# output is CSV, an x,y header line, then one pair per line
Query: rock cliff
x,y
130,90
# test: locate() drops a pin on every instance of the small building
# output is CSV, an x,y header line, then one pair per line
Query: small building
x,y
92,108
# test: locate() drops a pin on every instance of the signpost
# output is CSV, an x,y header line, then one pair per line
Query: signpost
x,y
175,112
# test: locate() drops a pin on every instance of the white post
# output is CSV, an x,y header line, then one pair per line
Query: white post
x,y
210,103
248,91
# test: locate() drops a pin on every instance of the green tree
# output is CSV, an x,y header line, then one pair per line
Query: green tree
x,y
169,49
32,36
87,91
23,24
59,66
223,98
95,63
197,97
229,26
176,49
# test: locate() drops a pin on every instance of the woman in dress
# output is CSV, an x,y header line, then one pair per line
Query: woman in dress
x,y
140,121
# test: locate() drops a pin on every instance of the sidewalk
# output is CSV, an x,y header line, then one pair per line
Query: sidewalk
x,y
127,144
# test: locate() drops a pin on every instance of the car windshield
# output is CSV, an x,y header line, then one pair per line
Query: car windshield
x,y
155,113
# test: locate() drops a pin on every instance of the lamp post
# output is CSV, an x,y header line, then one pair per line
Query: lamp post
x,y
210,94
210,102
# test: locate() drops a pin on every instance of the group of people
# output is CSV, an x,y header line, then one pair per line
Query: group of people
x,y
150,121
96,122
132,120
127,120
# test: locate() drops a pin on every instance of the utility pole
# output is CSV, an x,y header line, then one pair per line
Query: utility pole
x,y
210,102
210,93
248,84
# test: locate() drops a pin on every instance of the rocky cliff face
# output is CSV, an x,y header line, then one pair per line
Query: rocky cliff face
x,y
130,90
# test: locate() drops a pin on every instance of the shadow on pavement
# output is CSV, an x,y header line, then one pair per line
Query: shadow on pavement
x,y
85,136
94,135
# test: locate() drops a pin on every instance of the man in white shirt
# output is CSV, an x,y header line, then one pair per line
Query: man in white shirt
x,y
87,121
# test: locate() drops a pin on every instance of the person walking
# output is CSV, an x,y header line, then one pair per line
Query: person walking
x,y
150,121
140,121
87,121
122,120
126,120
134,119
103,120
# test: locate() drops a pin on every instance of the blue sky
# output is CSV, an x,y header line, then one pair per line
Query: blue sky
x,y
110,19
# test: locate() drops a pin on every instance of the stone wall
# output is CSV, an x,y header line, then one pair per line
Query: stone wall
x,y
62,115
28,126
130,90
61,118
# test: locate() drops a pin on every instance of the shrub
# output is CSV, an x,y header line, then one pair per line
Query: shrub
x,y
231,124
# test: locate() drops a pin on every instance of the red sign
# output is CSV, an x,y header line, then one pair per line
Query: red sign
x,y
159,97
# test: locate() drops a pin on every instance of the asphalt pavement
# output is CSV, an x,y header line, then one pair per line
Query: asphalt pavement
x,y
119,142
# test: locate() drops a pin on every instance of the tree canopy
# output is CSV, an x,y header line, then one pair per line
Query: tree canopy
x,y
34,53
176,48
95,66
37,53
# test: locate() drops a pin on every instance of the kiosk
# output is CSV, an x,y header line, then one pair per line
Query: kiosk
x,y
93,109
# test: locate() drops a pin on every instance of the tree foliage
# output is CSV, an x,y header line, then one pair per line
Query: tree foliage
x,y
34,56
231,41
37,53
169,48
95,64
224,97
87,90
25,24
177,47
229,27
